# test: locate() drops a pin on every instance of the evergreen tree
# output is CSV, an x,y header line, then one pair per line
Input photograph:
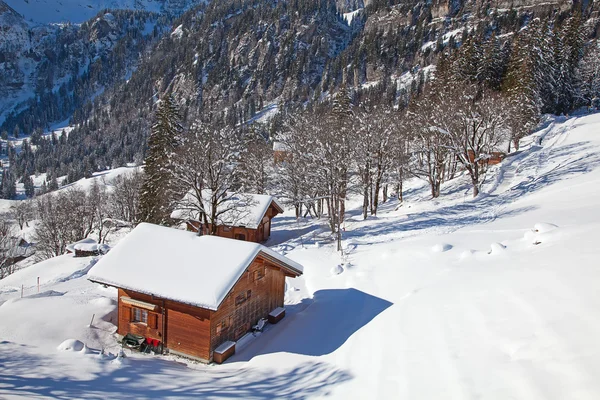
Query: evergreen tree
x,y
53,185
29,187
156,197
588,76
568,52
9,185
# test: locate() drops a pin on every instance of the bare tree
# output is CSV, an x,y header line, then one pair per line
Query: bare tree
x,y
298,183
124,198
97,202
207,170
475,129
374,152
6,244
428,144
22,212
257,164
332,158
463,125
63,217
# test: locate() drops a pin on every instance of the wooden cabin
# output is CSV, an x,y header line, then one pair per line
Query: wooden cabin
x,y
16,249
248,217
281,153
496,157
192,293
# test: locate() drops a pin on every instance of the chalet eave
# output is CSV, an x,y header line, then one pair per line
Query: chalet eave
x,y
154,296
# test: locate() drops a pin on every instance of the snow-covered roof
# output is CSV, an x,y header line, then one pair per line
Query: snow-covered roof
x,y
92,247
280,146
240,209
71,247
16,247
180,265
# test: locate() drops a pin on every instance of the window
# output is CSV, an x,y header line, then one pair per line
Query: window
x,y
140,316
221,326
259,274
241,298
226,228
240,236
248,294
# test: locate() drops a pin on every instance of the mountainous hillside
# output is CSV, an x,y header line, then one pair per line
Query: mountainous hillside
x,y
238,61
62,66
78,11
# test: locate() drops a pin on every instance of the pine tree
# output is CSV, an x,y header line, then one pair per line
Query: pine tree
x,y
521,87
9,185
588,76
568,52
157,195
29,187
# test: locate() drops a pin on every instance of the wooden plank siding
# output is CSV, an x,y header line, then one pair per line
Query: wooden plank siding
x,y
188,330
258,235
197,331
234,317
153,329
186,327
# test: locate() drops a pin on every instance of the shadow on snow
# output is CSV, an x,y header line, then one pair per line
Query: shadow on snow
x,y
162,379
318,326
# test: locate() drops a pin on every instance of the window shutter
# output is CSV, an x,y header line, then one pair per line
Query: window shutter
x,y
152,320
126,313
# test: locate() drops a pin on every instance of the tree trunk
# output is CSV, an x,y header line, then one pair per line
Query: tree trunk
x,y
339,227
319,208
365,201
400,197
385,193
376,197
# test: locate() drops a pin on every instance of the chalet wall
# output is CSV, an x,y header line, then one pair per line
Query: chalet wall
x,y
196,331
259,235
186,327
154,327
235,317
188,330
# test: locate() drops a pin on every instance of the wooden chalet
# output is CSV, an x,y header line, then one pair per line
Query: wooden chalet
x,y
192,293
16,249
495,157
281,153
248,216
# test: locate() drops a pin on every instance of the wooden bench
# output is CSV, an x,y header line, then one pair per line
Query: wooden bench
x,y
223,352
276,315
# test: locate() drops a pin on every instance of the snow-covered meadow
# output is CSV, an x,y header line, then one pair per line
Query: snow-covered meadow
x,y
495,297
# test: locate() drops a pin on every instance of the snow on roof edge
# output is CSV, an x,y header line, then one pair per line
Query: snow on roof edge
x,y
191,214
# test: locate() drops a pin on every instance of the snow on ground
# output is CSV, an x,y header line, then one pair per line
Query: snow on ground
x,y
494,298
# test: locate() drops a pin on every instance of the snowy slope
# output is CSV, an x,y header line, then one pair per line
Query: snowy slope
x,y
492,298
78,11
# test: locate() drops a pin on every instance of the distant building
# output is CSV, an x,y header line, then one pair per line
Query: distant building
x,y
17,249
192,293
87,248
281,152
496,157
247,216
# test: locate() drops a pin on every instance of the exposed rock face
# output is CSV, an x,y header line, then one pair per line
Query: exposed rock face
x,y
345,6
16,56
78,11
